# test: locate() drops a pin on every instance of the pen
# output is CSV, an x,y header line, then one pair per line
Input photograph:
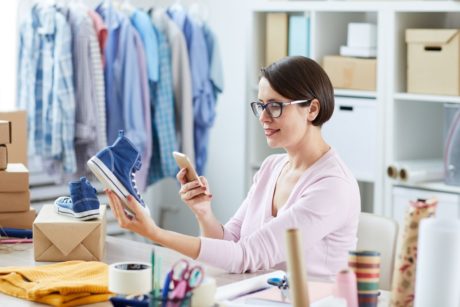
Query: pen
x,y
152,260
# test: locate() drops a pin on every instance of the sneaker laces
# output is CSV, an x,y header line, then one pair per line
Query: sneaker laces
x,y
133,180
64,199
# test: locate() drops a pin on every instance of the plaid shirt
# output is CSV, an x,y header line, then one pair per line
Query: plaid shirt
x,y
46,86
164,133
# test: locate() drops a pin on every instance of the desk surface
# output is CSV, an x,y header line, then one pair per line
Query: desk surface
x,y
116,250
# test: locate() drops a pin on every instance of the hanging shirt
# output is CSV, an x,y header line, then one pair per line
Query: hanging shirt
x,y
141,21
324,205
164,134
124,104
182,82
215,62
101,30
99,87
149,69
49,71
86,111
203,96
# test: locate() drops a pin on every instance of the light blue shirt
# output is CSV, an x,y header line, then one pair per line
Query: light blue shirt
x,y
141,21
163,128
203,93
122,74
46,87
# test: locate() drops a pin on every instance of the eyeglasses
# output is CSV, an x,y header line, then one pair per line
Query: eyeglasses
x,y
274,108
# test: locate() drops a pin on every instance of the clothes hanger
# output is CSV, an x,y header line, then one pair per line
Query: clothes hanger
x,y
177,6
127,7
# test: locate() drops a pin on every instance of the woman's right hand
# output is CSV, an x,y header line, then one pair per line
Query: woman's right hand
x,y
197,197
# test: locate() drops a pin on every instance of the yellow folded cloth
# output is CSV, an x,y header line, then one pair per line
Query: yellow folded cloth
x,y
69,283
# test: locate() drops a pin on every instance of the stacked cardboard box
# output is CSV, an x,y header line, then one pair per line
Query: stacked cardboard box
x,y
15,211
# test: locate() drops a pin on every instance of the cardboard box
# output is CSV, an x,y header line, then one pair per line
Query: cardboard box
x,y
17,150
351,73
3,158
15,178
276,40
433,61
61,238
5,132
14,201
22,220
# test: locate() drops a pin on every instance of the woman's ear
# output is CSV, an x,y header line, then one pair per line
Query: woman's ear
x,y
313,110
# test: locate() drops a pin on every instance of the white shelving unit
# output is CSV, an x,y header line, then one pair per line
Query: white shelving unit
x,y
407,126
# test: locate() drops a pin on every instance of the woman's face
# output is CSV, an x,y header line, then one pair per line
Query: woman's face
x,y
287,130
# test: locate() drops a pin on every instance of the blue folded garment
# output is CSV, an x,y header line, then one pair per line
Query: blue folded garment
x,y
16,233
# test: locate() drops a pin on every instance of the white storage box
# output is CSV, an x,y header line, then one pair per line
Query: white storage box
x,y
448,203
352,132
362,35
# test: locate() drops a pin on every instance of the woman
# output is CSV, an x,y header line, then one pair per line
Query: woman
x,y
309,187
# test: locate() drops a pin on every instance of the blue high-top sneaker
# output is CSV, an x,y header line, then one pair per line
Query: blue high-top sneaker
x,y
82,203
115,166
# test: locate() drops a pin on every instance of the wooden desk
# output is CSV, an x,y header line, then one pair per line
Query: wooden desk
x,y
116,250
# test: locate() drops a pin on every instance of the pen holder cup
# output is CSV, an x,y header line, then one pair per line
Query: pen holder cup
x,y
158,301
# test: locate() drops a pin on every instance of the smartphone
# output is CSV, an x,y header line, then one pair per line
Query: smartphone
x,y
184,162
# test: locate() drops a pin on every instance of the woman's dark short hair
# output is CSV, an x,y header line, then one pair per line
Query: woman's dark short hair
x,y
298,77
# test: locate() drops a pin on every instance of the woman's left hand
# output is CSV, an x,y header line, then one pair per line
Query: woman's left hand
x,y
141,223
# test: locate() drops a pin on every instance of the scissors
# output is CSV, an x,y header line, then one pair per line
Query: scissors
x,y
184,278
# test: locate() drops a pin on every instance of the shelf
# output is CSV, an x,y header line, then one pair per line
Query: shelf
x,y
426,98
356,6
354,93
436,186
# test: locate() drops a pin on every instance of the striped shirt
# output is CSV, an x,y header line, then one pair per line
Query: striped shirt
x,y
46,54
164,135
182,82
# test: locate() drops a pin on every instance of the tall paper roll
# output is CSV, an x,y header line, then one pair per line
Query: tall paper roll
x,y
403,286
130,278
421,170
296,269
438,265
242,287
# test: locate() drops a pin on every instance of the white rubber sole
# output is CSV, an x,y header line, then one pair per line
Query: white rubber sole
x,y
108,179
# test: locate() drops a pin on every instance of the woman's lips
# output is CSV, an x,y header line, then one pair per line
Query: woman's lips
x,y
270,132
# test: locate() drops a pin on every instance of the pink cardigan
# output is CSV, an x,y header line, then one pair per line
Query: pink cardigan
x,y
324,205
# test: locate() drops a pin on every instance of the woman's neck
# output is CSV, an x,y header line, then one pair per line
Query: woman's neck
x,y
306,153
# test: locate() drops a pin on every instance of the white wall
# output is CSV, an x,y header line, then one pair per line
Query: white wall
x,y
8,19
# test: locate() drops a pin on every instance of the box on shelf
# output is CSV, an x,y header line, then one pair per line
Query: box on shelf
x,y
351,73
356,118
22,220
299,35
362,35
3,158
5,132
15,178
62,238
17,150
448,203
14,201
276,37
433,64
